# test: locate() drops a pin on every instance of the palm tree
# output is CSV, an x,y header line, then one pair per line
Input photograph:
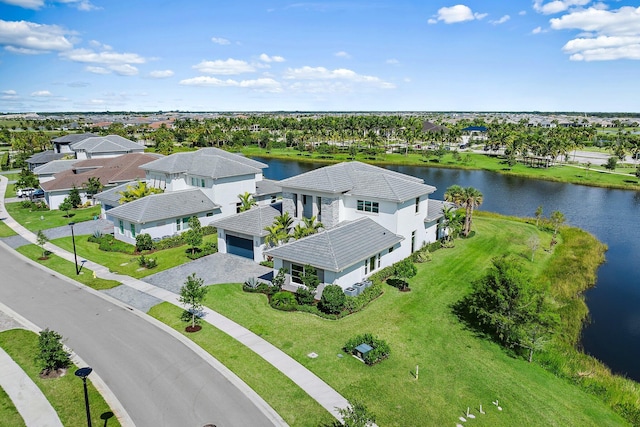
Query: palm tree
x,y
246,201
312,225
452,222
140,190
469,198
276,235
284,221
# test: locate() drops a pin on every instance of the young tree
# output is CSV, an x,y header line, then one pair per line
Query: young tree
x,y
612,163
533,243
27,179
557,219
144,242
246,201
332,300
66,206
538,215
51,354
74,197
404,270
41,240
191,296
357,415
310,278
93,186
193,236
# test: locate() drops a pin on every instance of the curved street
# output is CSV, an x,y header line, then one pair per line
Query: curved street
x,y
158,379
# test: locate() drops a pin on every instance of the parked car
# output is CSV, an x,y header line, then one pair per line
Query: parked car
x,y
38,194
25,192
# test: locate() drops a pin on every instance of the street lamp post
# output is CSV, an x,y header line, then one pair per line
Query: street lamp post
x,y
84,373
75,254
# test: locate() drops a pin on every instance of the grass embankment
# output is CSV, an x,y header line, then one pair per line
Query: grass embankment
x,y
66,393
67,268
595,176
42,220
5,230
457,369
8,413
127,264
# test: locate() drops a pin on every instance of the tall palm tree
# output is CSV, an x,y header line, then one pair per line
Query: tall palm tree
x,y
468,198
246,201
312,225
285,221
276,235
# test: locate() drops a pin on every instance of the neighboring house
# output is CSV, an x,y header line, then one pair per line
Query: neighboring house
x,y
110,198
216,174
62,144
105,146
111,171
243,234
474,133
47,172
372,217
43,158
161,215
267,192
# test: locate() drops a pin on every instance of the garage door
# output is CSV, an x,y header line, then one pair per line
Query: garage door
x,y
240,246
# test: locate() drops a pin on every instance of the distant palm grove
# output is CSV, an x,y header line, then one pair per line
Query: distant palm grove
x,y
369,133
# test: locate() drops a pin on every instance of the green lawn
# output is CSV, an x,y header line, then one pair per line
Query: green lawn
x,y
476,161
41,220
8,412
5,230
125,263
11,191
67,268
65,394
11,176
457,369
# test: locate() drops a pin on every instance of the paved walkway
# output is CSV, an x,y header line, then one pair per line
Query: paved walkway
x,y
315,387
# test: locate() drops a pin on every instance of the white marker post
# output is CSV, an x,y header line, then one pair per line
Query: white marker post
x,y
417,367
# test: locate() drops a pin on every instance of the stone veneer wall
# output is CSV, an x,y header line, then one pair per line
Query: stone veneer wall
x,y
330,211
287,204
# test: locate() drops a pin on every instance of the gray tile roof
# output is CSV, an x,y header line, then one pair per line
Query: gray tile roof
x,y
106,144
209,162
54,167
251,222
112,195
157,207
434,209
267,186
45,157
360,179
339,247
74,137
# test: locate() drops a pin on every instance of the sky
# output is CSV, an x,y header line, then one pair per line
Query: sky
x,y
344,55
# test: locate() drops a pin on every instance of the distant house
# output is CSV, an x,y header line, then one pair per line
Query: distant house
x,y
47,171
105,146
217,175
62,144
43,158
474,133
111,171
372,217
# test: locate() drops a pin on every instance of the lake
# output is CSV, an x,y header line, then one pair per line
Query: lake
x,y
613,333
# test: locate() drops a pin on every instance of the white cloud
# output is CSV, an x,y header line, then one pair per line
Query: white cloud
x,y
27,4
83,5
455,14
41,94
97,70
343,54
98,45
124,69
161,74
9,94
320,79
106,57
260,85
392,61
220,40
225,67
29,37
502,20
536,30
22,51
557,6
605,34
266,58
522,12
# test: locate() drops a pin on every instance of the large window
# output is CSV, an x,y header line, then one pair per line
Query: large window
x,y
132,227
121,225
296,272
367,206
178,224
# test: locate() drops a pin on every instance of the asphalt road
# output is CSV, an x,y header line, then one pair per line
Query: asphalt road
x,y
157,378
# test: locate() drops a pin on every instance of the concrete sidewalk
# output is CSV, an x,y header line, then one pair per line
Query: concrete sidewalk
x,y
31,403
315,387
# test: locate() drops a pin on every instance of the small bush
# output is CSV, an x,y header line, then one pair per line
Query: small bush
x,y
208,249
208,230
26,204
144,242
304,296
51,355
267,263
108,243
147,262
332,300
170,242
381,349
251,283
283,300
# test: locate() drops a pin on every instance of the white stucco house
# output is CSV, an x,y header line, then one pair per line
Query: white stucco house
x,y
372,218
205,183
104,146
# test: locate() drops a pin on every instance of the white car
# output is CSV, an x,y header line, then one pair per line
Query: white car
x,y
25,192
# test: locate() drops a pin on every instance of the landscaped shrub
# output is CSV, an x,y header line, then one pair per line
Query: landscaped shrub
x,y
144,242
382,275
51,354
170,242
332,300
208,230
381,349
304,296
208,249
108,243
283,300
267,263
147,262
354,304
423,255
432,247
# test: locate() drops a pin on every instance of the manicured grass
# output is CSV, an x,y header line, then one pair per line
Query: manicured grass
x,y
126,263
11,176
486,162
8,413
41,220
457,368
65,394
285,397
5,230
11,191
67,268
